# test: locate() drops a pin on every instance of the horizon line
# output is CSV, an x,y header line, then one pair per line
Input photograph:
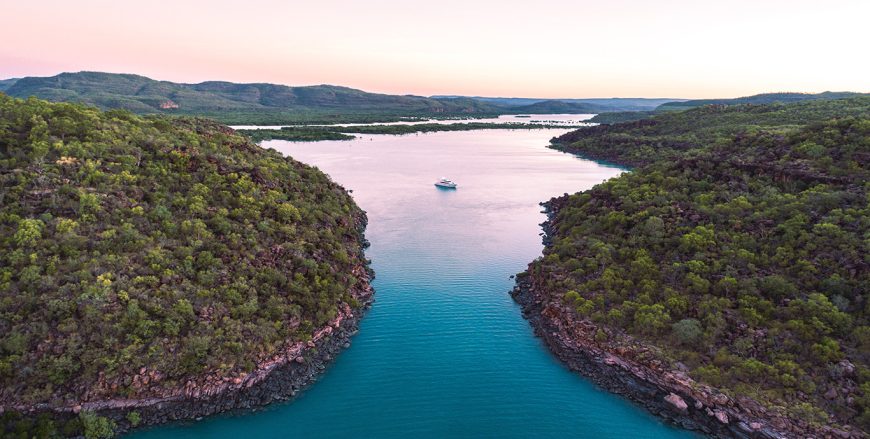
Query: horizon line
x,y
442,95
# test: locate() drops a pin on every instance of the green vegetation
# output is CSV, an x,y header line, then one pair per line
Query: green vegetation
x,y
764,98
671,135
14,425
761,99
589,105
141,253
6,83
560,107
433,127
307,117
237,103
272,104
620,116
96,427
297,134
739,248
314,133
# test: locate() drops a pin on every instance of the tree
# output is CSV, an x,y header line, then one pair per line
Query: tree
x,y
687,331
97,427
29,231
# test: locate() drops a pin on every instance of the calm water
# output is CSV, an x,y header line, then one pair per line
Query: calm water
x,y
445,352
549,119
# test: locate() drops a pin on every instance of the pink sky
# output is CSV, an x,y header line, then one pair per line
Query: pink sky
x,y
532,48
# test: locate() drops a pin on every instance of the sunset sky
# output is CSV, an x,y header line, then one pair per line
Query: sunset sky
x,y
529,48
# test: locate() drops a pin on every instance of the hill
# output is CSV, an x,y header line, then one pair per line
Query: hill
x,y
162,260
6,83
558,107
724,282
230,102
669,135
620,116
594,105
765,98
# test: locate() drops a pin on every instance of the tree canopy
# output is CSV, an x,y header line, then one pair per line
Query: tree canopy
x,y
738,247
139,253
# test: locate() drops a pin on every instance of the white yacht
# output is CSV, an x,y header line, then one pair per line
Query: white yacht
x,y
445,183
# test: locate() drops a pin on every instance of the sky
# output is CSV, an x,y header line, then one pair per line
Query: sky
x,y
528,48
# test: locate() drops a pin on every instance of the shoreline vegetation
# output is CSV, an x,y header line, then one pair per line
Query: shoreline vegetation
x,y
157,269
723,283
317,133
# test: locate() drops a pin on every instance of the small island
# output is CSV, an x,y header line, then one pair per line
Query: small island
x,y
313,133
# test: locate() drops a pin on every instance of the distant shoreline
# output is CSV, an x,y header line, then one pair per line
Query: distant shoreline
x,y
318,133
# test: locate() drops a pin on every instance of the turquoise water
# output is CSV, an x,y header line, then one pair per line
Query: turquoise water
x,y
444,351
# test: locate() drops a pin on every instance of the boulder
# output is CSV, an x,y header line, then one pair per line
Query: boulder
x,y
677,401
720,399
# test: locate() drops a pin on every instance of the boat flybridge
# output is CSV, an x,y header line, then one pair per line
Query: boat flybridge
x,y
445,183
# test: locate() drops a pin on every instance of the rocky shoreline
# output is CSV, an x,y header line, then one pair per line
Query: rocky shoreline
x,y
633,370
280,379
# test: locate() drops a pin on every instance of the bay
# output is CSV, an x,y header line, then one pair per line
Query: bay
x,y
444,351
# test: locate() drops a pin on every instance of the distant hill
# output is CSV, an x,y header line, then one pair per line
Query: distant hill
x,y
669,135
766,98
556,107
600,105
760,99
6,83
226,100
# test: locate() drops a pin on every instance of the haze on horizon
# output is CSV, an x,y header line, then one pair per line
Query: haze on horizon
x,y
542,48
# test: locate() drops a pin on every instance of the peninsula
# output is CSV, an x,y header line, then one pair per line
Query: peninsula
x,y
723,282
158,268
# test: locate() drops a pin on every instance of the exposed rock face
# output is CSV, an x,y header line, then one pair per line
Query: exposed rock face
x,y
168,105
721,416
630,370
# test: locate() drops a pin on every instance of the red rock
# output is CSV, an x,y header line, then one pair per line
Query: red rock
x,y
721,416
677,401
847,367
720,399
